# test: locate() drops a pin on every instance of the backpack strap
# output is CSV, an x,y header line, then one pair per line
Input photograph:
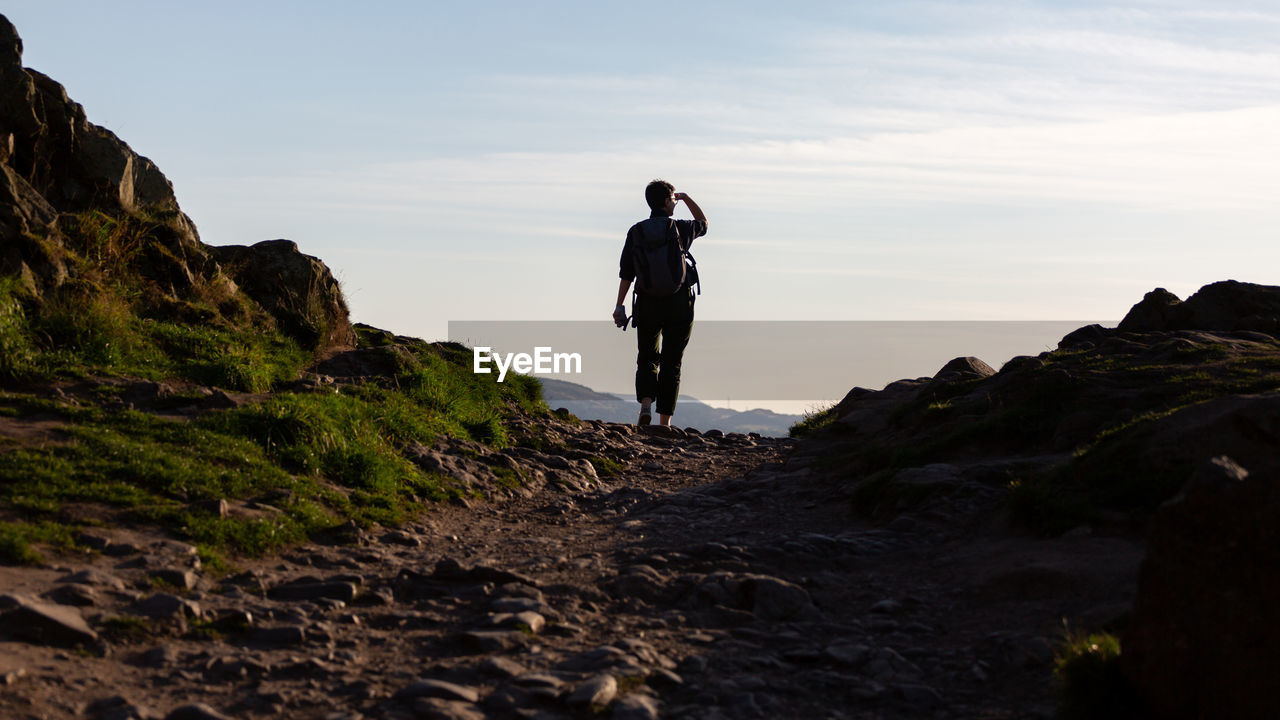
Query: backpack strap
x,y
693,265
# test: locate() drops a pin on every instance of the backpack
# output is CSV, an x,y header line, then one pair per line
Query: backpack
x,y
661,270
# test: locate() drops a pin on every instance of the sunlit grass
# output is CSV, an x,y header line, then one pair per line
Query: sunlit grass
x,y
292,465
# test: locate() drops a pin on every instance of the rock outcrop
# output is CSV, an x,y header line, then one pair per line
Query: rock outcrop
x,y
65,183
1222,306
1117,429
1204,640
296,289
54,161
1189,381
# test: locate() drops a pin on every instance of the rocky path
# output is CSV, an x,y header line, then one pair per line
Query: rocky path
x,y
715,577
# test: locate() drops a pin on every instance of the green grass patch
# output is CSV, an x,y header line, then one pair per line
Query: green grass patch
x,y
28,406
606,467
125,630
204,630
319,460
225,357
1091,681
98,345
138,468
18,541
630,683
148,470
537,438
813,421
15,546
291,466
508,477
117,315
17,351
214,563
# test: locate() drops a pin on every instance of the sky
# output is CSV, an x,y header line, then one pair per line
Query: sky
x,y
906,160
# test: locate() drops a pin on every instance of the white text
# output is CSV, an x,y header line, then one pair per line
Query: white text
x,y
541,362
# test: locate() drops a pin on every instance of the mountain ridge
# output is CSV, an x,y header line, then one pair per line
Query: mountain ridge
x,y
590,404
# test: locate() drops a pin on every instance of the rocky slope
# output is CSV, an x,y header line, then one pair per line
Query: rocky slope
x,y
1170,421
58,171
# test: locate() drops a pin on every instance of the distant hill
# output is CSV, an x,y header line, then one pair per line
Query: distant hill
x,y
589,404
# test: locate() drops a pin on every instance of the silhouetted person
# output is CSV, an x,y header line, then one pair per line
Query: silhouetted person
x,y
655,256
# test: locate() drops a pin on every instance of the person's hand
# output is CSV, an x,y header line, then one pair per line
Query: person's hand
x,y
620,316
680,197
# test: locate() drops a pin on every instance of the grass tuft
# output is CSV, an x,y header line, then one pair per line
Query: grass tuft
x,y
15,547
814,421
126,630
1091,681
606,467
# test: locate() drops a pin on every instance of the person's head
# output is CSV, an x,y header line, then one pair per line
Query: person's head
x,y
660,195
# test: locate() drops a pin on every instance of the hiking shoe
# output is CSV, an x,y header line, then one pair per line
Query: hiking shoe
x,y
645,418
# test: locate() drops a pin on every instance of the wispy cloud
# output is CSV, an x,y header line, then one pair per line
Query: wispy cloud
x,y
1205,160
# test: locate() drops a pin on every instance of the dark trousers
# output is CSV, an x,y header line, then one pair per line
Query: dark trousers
x,y
670,320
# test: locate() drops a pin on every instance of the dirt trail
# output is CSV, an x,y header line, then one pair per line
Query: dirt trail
x,y
715,577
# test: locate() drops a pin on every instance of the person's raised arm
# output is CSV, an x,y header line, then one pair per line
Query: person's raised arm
x,y
693,207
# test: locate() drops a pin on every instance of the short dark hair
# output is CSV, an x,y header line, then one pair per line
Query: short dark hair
x,y
657,192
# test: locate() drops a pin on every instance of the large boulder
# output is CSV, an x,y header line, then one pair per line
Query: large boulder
x,y
297,289
1158,310
43,623
964,368
1204,637
1222,306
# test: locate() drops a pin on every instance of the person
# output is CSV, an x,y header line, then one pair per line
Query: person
x,y
665,317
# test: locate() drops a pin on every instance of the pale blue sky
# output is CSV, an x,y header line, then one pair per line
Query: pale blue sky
x,y
858,161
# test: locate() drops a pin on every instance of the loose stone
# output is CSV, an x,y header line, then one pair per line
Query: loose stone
x,y
494,640
158,657
165,606
175,577
280,635
432,708
594,659
196,711
635,707
596,692
46,624
76,595
344,591
501,667
95,578
437,689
